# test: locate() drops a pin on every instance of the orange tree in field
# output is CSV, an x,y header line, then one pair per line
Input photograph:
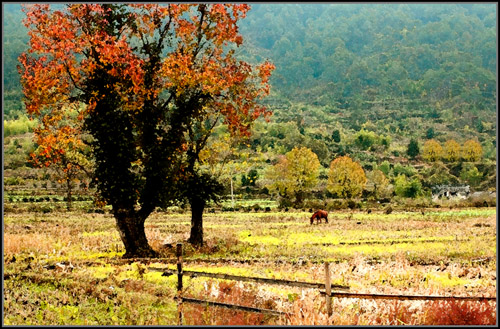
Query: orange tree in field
x,y
61,147
146,74
346,178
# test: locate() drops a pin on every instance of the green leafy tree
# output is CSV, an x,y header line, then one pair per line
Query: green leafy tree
x,y
365,139
399,169
378,184
346,178
438,174
430,133
413,149
385,167
250,178
471,175
336,136
407,188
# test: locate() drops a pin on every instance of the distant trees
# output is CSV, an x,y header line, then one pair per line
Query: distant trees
x,y
472,150
365,139
346,178
471,175
60,145
294,175
378,185
336,136
432,150
451,151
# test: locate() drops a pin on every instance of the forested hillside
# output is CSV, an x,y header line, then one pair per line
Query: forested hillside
x,y
382,62
362,80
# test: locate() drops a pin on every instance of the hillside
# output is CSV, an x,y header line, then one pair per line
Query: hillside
x,y
351,79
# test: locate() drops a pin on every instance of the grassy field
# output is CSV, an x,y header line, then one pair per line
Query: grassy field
x,y
64,268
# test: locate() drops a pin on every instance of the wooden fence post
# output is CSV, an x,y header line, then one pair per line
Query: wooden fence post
x,y
328,289
179,283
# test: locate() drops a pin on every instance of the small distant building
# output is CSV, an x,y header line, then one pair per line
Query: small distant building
x,y
450,192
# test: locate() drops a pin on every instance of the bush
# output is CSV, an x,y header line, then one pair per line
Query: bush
x,y
399,169
256,207
336,204
456,312
314,204
385,167
365,139
407,188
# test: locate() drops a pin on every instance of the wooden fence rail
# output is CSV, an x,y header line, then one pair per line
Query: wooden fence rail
x,y
194,274
232,306
405,297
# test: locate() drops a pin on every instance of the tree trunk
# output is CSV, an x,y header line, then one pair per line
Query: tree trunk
x,y
299,199
197,207
133,236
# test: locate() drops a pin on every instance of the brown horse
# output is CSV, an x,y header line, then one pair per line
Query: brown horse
x,y
318,215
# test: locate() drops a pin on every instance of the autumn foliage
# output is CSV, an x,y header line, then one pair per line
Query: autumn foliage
x,y
346,178
143,74
451,150
432,150
295,174
472,150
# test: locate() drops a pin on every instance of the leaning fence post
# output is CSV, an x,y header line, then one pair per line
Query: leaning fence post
x,y
179,283
328,289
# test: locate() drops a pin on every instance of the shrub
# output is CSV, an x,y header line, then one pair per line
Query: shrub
x,y
399,169
365,139
19,126
407,188
456,312
385,167
256,207
336,204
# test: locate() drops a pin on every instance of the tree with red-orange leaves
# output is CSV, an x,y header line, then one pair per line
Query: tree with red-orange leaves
x,y
147,74
62,149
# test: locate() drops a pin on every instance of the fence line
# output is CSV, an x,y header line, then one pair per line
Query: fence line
x,y
327,292
232,306
180,299
193,274
405,297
